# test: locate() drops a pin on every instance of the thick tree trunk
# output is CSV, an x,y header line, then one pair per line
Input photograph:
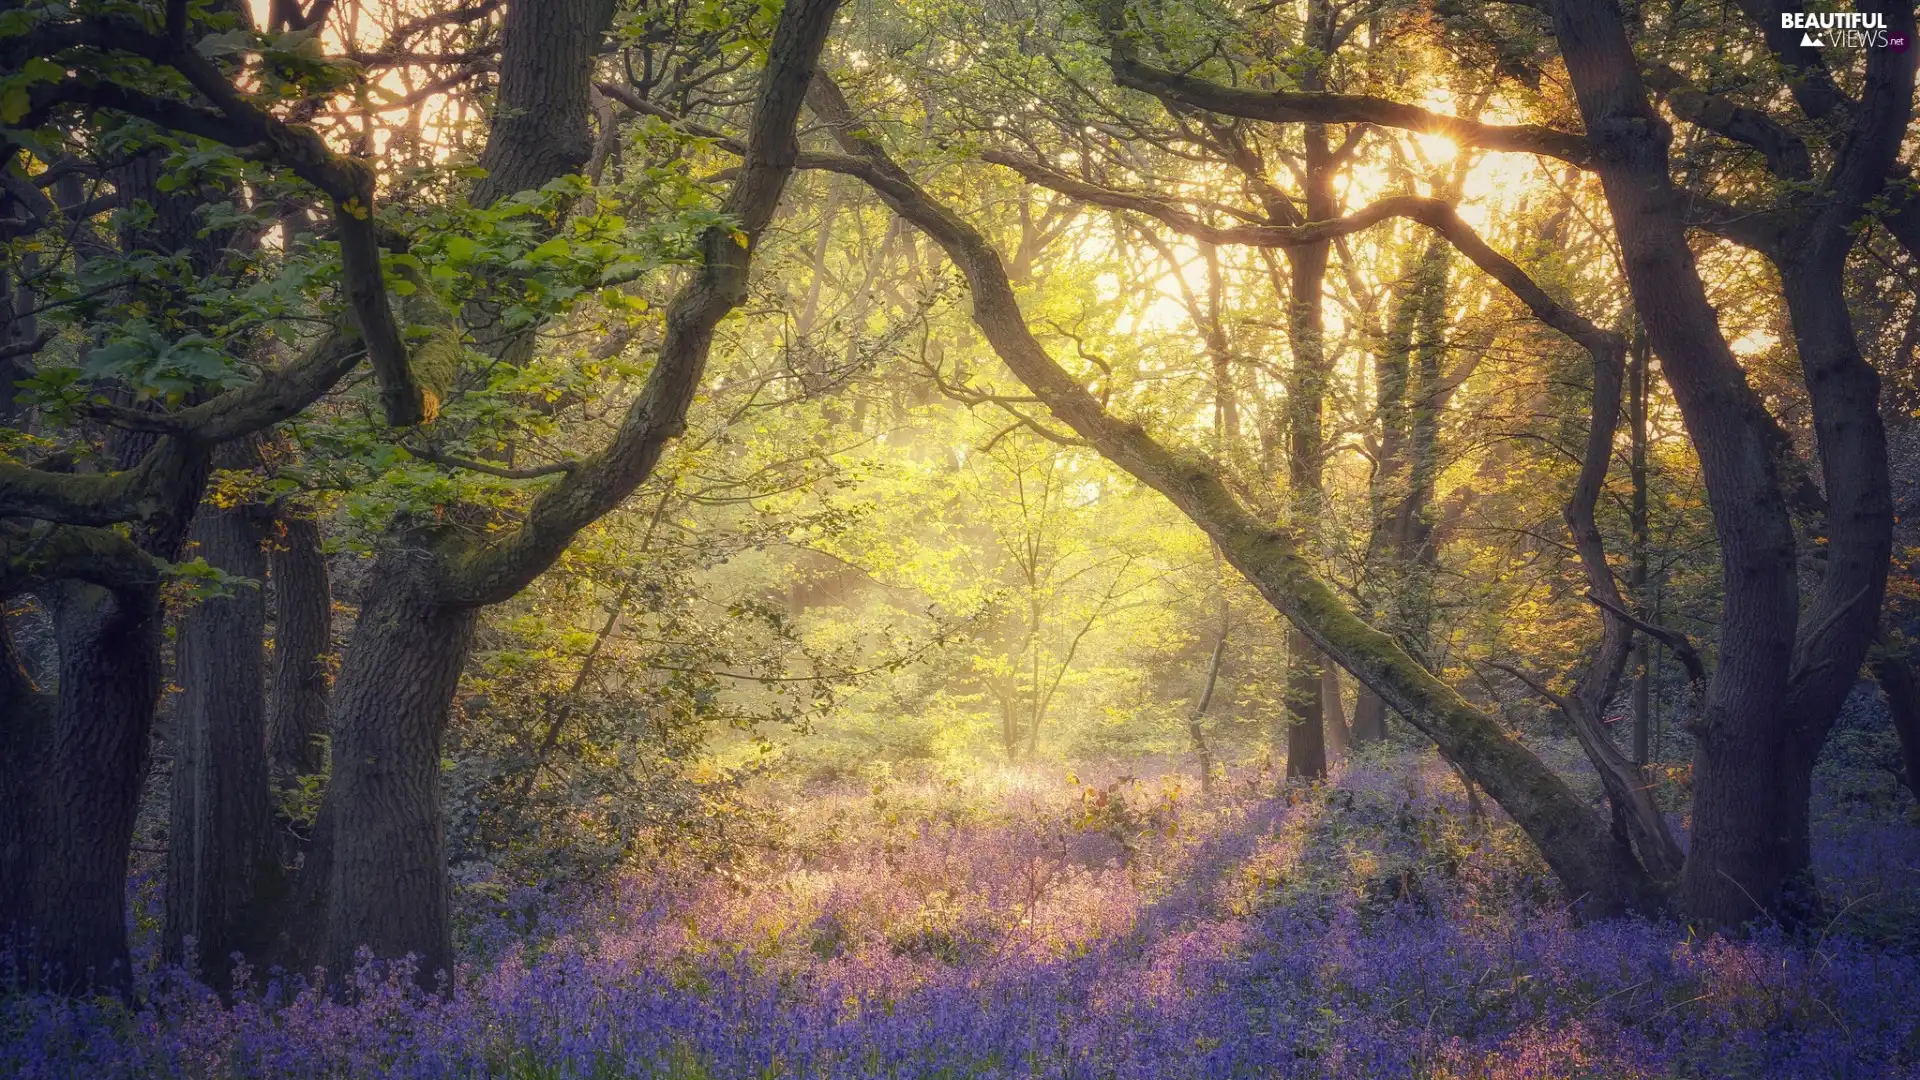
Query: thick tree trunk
x,y
388,859
88,780
302,640
1773,697
540,128
1732,868
25,716
1306,729
79,783
383,821
1843,619
224,881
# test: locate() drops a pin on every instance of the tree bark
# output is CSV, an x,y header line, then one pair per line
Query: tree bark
x,y
87,781
1306,397
387,866
1734,867
26,714
302,640
1369,718
224,880
539,129
1306,729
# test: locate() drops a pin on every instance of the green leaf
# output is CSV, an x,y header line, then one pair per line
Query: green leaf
x,y
13,103
552,251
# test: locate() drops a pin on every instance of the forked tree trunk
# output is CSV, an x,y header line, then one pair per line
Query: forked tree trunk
x,y
383,842
1773,696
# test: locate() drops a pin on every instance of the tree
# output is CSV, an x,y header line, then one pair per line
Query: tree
x,y
1752,854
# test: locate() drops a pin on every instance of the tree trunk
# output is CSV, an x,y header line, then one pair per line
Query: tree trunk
x,y
88,781
1638,357
1780,681
224,882
1306,394
1306,730
1196,724
302,640
1893,670
1369,718
540,127
1333,712
388,862
25,716
1402,479
388,887
1734,866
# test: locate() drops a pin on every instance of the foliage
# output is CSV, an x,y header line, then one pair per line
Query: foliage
x,y
986,927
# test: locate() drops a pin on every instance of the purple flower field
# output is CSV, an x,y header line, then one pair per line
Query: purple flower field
x,y
1020,925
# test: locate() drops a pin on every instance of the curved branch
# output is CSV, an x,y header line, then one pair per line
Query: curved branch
x,y
1786,153
597,485
1681,645
32,555
150,488
1291,107
1435,214
454,462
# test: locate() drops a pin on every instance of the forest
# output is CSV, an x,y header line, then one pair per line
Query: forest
x,y
712,539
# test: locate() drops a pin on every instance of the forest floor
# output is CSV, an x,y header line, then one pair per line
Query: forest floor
x,y
1040,923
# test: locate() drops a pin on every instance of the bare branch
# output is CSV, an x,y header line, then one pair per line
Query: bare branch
x,y
1673,639
454,462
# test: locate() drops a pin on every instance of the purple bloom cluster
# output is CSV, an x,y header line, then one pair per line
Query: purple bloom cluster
x,y
1363,929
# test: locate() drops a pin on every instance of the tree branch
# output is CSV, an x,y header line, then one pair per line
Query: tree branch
x,y
1673,639
599,484
453,462
1291,107
1786,153
237,122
